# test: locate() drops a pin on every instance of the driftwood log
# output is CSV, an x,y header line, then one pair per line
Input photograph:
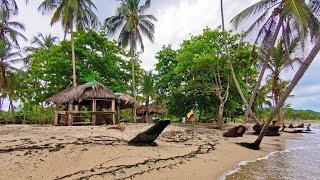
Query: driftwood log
x,y
147,137
237,131
271,131
298,126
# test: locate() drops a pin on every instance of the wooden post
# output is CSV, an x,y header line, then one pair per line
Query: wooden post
x,y
70,115
56,116
118,110
113,109
94,109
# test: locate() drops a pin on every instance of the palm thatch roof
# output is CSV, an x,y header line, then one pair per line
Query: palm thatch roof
x,y
127,101
153,109
94,90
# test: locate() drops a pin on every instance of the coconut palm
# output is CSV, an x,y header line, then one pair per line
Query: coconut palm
x,y
148,89
10,31
288,19
8,56
9,6
74,15
297,20
233,74
279,61
42,42
133,23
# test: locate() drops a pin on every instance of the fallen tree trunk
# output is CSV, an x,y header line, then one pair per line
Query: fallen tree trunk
x,y
298,126
147,137
237,131
271,131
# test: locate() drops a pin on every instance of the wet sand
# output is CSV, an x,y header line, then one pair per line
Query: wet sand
x,y
183,152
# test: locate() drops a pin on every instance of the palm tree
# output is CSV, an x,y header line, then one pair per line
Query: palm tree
x,y
9,6
10,30
42,42
133,22
233,74
148,90
297,20
74,15
7,57
289,19
279,61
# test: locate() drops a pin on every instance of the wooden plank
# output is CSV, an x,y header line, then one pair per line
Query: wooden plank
x,y
70,118
113,109
55,120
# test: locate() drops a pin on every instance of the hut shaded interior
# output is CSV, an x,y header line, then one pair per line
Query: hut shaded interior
x,y
152,109
90,103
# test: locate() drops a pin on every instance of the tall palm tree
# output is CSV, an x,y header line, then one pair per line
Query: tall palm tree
x,y
279,61
74,15
8,56
148,89
296,19
289,19
233,74
10,31
133,22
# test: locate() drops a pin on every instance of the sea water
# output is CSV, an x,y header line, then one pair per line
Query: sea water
x,y
299,160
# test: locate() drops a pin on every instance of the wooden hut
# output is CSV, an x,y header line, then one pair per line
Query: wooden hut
x,y
90,103
126,101
152,109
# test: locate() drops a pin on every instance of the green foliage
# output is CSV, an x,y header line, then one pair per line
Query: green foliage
x,y
29,114
293,114
185,76
98,59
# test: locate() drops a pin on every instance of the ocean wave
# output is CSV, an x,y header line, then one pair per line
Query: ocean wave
x,y
237,168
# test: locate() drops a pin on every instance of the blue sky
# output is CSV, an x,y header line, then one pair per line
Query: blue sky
x,y
177,19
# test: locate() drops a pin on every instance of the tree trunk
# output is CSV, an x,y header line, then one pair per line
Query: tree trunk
x,y
74,76
147,137
2,76
147,109
233,74
263,69
299,74
133,85
220,114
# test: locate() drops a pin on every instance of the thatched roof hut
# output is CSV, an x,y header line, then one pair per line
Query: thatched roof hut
x,y
94,90
127,101
153,109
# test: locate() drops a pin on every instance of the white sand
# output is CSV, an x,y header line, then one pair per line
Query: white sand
x,y
183,152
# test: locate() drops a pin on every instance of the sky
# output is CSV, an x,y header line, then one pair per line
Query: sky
x,y
177,20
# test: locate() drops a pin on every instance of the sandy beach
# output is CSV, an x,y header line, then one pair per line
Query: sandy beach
x,y
183,152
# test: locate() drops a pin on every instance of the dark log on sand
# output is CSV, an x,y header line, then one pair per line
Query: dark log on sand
x,y
271,131
299,126
237,131
147,137
308,127
295,131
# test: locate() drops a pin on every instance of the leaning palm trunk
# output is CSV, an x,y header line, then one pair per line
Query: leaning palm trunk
x,y
264,68
233,74
299,74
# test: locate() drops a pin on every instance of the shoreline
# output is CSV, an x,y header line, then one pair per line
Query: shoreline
x,y
282,139
183,152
